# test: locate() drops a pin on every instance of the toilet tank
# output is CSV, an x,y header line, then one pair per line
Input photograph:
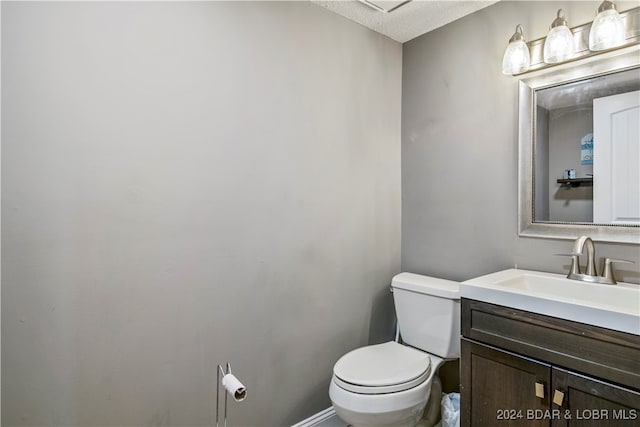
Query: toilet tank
x,y
428,311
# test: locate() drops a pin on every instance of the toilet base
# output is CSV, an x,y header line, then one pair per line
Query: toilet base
x,y
428,417
402,409
403,418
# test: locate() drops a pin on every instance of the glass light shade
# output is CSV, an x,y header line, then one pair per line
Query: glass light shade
x,y
516,58
559,45
607,31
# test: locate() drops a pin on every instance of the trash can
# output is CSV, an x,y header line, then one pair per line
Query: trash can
x,y
451,410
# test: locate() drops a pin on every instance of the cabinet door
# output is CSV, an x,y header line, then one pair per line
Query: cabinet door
x,y
587,402
500,388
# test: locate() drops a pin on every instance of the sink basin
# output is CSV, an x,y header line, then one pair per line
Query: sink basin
x,y
614,307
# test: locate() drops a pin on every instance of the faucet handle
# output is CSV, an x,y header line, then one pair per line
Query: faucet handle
x,y
575,263
607,273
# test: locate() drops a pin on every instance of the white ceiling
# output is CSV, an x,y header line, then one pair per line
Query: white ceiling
x,y
404,20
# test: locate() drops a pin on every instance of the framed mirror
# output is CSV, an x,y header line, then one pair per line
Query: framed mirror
x,y
579,149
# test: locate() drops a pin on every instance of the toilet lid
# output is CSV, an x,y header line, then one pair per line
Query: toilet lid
x,y
382,368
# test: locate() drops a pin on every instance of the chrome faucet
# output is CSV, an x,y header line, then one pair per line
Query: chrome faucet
x,y
578,247
591,275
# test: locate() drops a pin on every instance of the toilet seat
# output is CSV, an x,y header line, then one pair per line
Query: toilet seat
x,y
382,368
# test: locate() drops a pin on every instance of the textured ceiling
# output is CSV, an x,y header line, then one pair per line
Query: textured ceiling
x,y
407,21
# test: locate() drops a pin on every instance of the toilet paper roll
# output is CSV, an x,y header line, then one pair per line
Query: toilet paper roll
x,y
234,387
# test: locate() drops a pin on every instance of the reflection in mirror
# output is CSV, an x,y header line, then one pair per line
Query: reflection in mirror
x,y
572,180
572,183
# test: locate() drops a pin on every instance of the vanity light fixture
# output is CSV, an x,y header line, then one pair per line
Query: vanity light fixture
x,y
559,45
516,57
607,30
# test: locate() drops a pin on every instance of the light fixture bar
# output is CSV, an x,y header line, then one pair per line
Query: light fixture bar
x,y
631,19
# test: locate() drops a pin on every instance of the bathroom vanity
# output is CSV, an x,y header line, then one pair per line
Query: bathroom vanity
x,y
521,367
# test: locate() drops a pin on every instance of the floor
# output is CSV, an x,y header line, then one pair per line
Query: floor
x,y
337,422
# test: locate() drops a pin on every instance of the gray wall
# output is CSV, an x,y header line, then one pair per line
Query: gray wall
x,y
460,148
186,184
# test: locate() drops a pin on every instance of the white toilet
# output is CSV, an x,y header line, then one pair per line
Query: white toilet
x,y
389,384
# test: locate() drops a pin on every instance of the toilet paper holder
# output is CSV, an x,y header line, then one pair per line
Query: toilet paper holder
x,y
232,386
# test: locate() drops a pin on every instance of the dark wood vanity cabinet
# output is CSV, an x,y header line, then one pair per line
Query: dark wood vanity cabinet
x,y
497,386
591,402
524,369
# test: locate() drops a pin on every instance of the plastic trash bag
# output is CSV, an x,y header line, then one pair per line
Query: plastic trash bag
x,y
451,410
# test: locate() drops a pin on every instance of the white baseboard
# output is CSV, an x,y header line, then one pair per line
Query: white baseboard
x,y
316,419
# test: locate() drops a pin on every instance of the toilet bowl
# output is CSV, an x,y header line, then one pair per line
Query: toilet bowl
x,y
389,384
383,385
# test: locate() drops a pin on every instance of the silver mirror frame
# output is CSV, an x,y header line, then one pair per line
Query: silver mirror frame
x,y
605,63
